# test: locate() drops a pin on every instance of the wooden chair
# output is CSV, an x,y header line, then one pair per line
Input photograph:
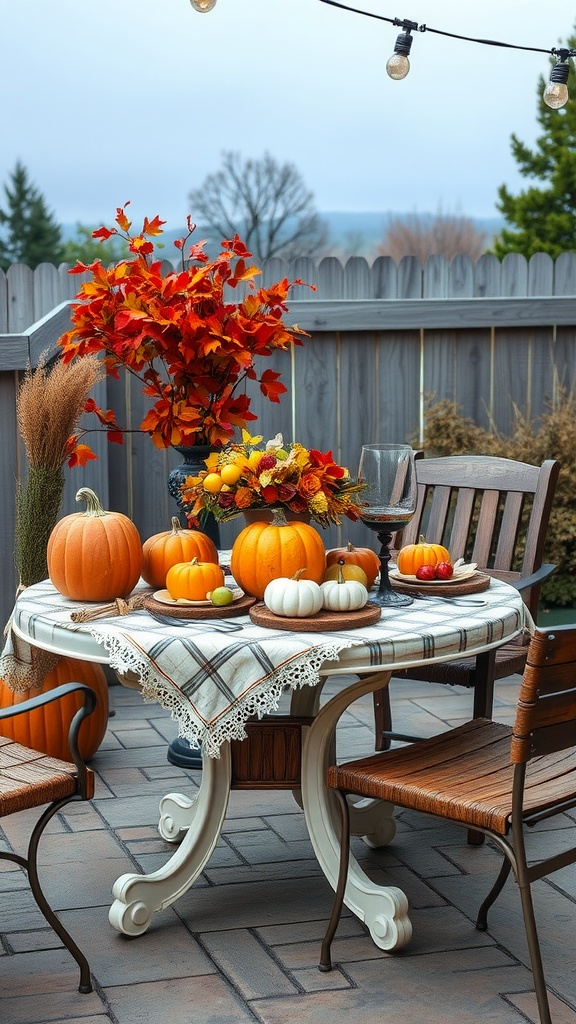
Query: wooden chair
x,y
29,778
495,512
489,777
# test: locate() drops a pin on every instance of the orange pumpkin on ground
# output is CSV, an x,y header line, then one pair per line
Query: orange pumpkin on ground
x,y
193,580
46,728
94,555
412,556
267,551
367,559
164,550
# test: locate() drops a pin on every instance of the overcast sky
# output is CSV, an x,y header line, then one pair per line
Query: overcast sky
x,y
112,100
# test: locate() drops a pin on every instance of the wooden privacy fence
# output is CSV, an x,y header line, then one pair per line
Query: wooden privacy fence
x,y
488,336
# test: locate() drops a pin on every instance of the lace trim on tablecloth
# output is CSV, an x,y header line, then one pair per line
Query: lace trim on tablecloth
x,y
301,671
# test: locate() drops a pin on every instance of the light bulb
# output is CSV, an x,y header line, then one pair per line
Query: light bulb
x,y
203,6
397,66
556,92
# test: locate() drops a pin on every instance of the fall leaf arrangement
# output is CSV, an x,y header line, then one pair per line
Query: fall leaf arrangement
x,y
249,476
177,332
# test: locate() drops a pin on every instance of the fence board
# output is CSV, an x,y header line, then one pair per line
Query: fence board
x,y
483,335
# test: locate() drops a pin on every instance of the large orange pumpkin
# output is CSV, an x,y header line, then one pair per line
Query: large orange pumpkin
x,y
412,556
164,550
266,551
46,728
364,557
94,555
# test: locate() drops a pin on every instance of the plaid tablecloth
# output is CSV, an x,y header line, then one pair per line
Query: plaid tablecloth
x,y
214,674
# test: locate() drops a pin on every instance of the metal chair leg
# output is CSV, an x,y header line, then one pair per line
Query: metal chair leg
x,y
325,959
482,919
32,869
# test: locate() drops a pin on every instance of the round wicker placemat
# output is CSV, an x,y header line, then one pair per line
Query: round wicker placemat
x,y
208,611
474,585
322,622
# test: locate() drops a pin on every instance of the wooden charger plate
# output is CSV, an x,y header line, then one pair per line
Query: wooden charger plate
x,y
322,622
473,585
205,611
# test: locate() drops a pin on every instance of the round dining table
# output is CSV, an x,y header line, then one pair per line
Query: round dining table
x,y
216,676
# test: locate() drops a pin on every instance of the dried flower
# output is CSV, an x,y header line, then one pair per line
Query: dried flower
x,y
48,407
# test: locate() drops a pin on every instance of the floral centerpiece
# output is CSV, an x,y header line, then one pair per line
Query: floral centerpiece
x,y
249,476
180,335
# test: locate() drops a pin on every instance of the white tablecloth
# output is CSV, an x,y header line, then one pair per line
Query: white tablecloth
x,y
215,674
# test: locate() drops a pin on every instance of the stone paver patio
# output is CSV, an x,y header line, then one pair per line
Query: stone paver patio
x,y
242,944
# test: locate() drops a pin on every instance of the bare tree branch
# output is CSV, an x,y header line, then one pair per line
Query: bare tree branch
x,y
265,202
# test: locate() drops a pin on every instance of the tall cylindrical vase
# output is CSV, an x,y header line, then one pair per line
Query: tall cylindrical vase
x,y
194,456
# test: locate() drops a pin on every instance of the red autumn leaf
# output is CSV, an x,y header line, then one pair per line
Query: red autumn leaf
x,y
152,227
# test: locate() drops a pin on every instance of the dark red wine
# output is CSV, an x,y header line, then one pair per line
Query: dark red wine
x,y
386,522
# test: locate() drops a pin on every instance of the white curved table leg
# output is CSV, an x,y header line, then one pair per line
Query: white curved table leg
x,y
177,812
384,909
137,896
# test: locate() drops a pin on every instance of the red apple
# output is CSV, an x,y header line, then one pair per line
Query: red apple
x,y
444,570
426,573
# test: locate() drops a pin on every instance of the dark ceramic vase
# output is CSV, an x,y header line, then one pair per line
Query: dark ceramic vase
x,y
194,456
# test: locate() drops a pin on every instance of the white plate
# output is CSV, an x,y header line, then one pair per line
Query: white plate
x,y
163,597
461,572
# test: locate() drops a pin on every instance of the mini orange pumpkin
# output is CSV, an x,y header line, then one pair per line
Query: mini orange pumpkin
x,y
412,556
164,550
267,551
193,580
94,555
46,728
364,557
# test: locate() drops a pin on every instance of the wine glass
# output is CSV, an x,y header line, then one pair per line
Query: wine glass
x,y
387,504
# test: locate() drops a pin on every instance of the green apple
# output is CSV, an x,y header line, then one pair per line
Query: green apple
x,y
220,596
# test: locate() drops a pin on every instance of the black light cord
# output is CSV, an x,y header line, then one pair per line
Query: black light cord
x,y
563,54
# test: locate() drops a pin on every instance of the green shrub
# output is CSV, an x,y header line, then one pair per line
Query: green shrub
x,y
553,436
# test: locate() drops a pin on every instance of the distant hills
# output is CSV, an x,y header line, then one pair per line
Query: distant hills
x,y
350,233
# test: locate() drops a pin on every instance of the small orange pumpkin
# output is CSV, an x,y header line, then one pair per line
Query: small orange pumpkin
x,y
46,728
94,555
267,551
193,580
412,556
164,550
364,557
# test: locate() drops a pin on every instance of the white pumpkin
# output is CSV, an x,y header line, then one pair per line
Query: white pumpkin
x,y
293,597
343,595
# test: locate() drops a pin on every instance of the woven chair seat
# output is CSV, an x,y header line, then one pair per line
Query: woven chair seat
x,y
29,778
470,766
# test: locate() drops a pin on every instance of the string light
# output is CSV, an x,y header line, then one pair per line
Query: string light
x,y
555,94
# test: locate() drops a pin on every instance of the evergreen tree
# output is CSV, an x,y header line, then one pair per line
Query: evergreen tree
x,y
30,234
542,218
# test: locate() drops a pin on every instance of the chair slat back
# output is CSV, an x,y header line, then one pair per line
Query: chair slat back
x,y
546,712
486,509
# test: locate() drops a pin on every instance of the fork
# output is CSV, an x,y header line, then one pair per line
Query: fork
x,y
450,600
171,620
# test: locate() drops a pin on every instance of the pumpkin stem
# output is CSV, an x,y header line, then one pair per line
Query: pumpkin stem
x,y
279,517
93,506
349,546
341,564
176,524
298,574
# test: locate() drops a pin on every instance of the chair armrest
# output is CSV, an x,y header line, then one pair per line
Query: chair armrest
x,y
537,577
89,703
46,698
